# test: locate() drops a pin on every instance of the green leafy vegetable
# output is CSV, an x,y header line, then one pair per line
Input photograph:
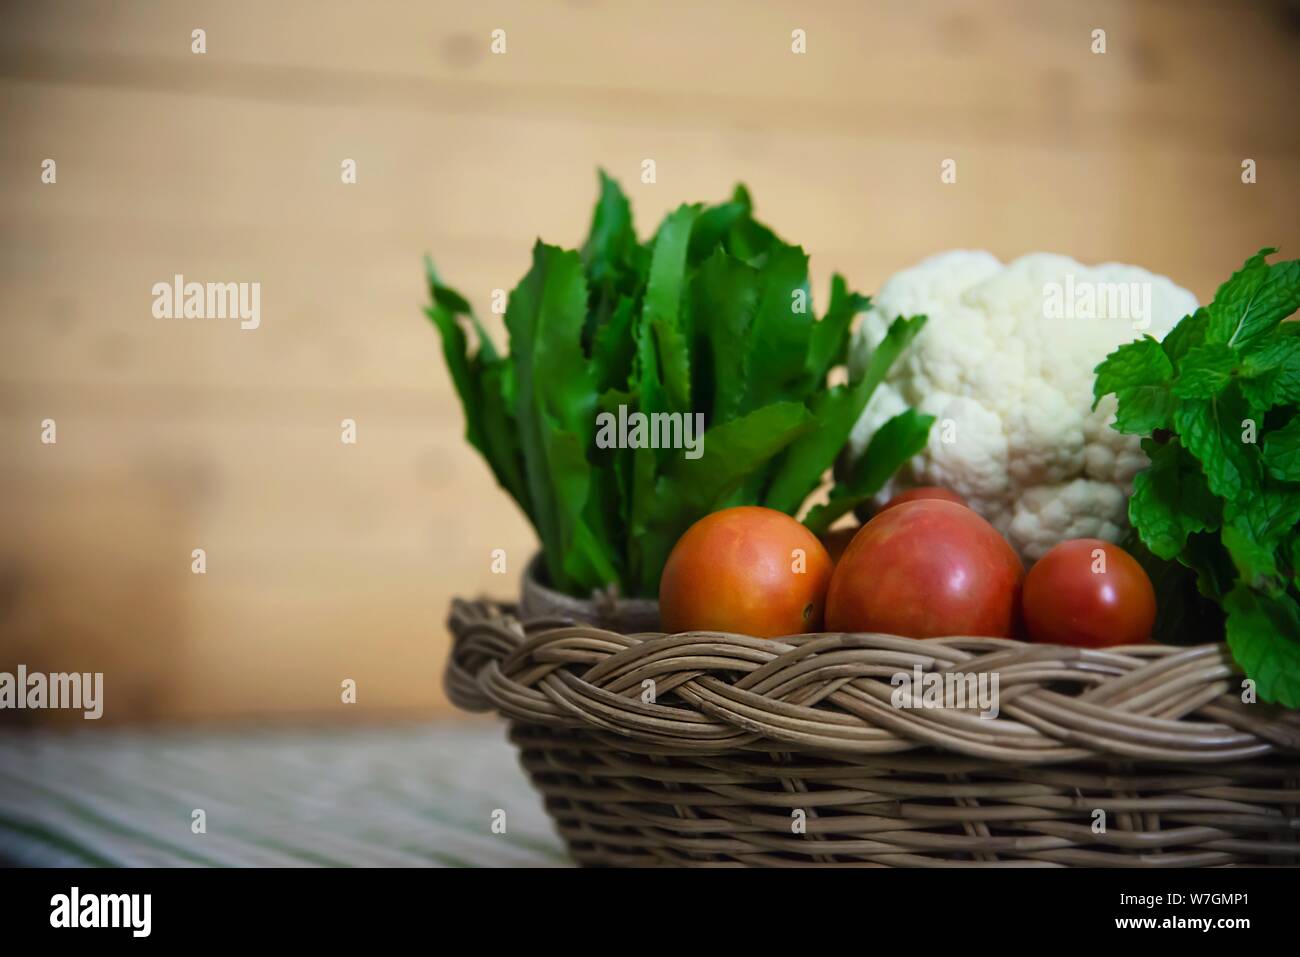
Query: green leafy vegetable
x,y
1219,506
708,324
893,444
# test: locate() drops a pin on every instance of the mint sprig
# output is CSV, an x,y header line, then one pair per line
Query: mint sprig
x,y
1219,403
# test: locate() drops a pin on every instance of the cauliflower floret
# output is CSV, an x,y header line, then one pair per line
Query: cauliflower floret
x,y
1005,364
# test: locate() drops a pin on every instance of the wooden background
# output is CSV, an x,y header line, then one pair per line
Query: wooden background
x,y
328,561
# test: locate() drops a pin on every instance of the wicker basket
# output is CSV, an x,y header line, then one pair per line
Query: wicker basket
x,y
790,752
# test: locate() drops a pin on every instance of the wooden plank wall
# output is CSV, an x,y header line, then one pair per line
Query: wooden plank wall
x,y
328,561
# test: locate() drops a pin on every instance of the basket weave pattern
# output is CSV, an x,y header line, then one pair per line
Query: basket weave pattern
x,y
789,751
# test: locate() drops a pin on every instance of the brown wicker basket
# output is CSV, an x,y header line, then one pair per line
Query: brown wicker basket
x,y
787,752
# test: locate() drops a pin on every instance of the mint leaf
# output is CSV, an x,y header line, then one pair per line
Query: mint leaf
x,y
1212,430
1278,298
1139,374
1205,371
1134,364
1272,350
1254,300
1264,635
1282,453
1278,385
1144,409
1224,506
1184,616
1205,555
1295,560
1189,333
1253,531
1171,500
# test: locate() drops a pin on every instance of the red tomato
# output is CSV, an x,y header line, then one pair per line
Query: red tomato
x,y
926,569
923,492
746,570
1089,593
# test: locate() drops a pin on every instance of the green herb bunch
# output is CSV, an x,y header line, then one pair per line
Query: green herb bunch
x,y
1218,401
713,316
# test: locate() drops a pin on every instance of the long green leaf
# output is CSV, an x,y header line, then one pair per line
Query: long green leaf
x,y
835,412
691,488
889,449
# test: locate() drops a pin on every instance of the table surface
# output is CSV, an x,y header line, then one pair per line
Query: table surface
x,y
408,796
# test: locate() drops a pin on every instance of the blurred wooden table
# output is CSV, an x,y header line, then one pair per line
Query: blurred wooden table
x,y
400,797
329,561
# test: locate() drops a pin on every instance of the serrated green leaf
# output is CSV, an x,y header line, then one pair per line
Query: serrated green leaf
x,y
830,336
747,239
1264,635
691,488
899,336
665,289
1184,615
456,304
481,385
723,299
499,433
1143,409
1139,373
664,327
1186,335
1171,500
1272,350
1205,371
555,409
1294,551
711,229
611,240
835,412
1213,430
1282,453
1254,300
614,346
889,449
1206,556
1140,362
1233,300
1277,385
777,347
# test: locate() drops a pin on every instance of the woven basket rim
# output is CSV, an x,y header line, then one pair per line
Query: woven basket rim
x,y
718,693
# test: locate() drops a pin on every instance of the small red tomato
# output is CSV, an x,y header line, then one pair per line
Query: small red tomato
x,y
924,491
926,569
1090,594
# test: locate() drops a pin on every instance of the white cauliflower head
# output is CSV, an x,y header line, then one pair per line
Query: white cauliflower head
x,y
1005,364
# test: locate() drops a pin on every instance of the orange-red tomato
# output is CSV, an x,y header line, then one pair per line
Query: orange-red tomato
x,y
1088,593
747,570
926,569
922,492
837,540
